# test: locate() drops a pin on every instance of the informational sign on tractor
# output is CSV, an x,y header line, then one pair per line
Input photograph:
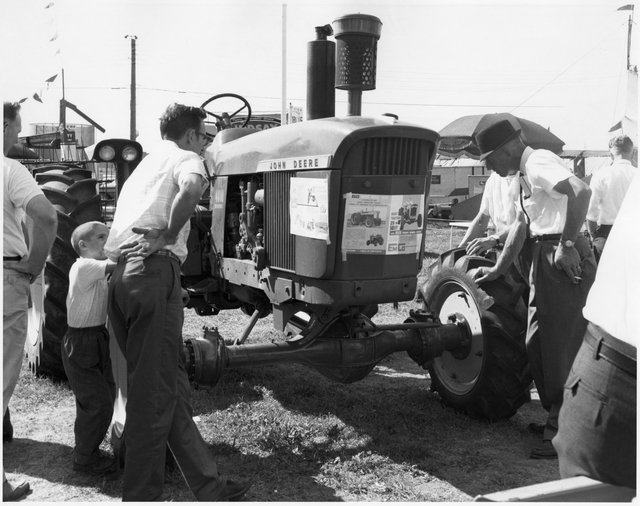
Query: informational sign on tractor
x,y
309,207
382,224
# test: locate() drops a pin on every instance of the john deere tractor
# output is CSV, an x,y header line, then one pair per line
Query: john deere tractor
x,y
258,243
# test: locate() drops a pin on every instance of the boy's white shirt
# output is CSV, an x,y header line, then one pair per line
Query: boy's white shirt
x,y
88,291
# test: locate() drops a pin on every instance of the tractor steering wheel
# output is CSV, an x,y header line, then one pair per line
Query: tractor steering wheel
x,y
224,120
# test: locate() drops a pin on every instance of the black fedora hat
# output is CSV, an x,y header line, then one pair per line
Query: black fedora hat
x,y
495,136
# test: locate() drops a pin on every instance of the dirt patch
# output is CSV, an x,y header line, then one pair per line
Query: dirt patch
x,y
304,438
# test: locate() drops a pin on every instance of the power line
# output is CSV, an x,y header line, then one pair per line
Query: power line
x,y
567,69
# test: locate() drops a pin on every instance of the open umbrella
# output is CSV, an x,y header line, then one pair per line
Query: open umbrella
x,y
458,137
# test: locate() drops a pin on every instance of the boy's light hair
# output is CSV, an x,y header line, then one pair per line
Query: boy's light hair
x,y
81,232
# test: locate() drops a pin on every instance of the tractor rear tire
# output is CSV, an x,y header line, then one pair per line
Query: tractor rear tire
x,y
73,192
491,381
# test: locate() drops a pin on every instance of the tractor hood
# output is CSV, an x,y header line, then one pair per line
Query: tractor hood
x,y
235,151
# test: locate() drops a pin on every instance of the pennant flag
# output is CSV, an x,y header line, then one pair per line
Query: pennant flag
x,y
626,8
615,127
52,78
37,97
50,5
23,100
53,38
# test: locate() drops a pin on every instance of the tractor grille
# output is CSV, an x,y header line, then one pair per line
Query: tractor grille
x,y
397,156
279,242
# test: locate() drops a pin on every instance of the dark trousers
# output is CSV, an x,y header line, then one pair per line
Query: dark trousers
x,y
87,363
556,325
146,312
597,436
600,239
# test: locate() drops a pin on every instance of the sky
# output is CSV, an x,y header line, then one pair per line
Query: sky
x,y
560,64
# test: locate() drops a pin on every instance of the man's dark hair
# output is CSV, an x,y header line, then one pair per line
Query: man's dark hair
x,y
178,118
11,110
622,143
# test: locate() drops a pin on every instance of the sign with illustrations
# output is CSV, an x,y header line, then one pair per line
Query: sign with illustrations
x,y
382,224
309,207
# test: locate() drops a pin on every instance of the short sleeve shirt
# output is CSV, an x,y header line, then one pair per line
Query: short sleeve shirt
x,y
148,194
87,297
545,207
499,200
609,186
614,298
19,188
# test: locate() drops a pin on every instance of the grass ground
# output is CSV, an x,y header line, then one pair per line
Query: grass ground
x,y
300,435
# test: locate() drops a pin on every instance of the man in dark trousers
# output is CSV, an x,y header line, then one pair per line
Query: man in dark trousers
x,y
597,436
21,263
553,206
146,311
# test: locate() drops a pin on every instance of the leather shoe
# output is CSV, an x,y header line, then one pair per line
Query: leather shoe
x,y
14,492
544,451
233,491
104,465
536,428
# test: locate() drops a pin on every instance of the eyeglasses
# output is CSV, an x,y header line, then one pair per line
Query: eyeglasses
x,y
205,135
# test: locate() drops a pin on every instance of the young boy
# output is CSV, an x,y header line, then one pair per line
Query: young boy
x,y
85,348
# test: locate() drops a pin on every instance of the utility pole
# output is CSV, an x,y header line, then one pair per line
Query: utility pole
x,y
132,132
283,105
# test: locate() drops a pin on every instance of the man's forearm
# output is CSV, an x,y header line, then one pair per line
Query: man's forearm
x,y
577,206
181,210
512,246
42,226
476,229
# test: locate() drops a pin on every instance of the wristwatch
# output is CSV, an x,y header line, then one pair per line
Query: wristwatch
x,y
568,243
496,238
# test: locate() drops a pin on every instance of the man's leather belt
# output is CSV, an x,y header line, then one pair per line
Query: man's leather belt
x,y
547,237
605,346
167,253
603,231
11,259
161,252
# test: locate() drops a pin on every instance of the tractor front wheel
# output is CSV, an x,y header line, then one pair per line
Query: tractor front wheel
x,y
492,380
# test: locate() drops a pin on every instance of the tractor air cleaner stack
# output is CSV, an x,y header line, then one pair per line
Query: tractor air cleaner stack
x,y
357,36
321,72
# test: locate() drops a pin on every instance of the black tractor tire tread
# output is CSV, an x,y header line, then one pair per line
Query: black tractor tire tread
x,y
505,377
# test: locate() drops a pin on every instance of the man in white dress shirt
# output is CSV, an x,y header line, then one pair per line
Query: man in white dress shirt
x,y
609,186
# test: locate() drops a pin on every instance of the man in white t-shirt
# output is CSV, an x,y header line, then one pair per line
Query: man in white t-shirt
x,y
498,205
597,436
552,211
608,186
146,312
499,202
21,264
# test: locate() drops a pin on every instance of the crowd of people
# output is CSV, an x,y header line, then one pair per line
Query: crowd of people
x,y
581,332
582,328
142,254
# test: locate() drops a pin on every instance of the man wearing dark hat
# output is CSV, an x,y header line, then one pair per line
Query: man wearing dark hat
x,y
553,205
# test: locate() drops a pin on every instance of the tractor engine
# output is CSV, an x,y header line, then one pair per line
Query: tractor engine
x,y
307,222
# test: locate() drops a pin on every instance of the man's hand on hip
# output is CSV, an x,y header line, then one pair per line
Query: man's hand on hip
x,y
152,240
24,267
568,260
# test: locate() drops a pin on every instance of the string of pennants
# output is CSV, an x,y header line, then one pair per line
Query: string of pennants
x,y
53,37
